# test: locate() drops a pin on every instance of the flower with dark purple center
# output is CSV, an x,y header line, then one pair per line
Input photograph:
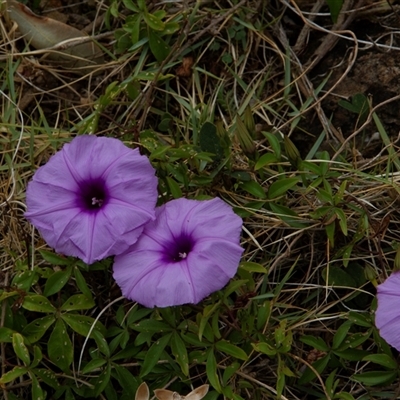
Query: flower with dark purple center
x,y
92,198
191,250
387,317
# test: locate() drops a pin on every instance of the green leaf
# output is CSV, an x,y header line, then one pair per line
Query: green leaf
x,y
102,344
309,374
38,303
151,326
179,350
56,282
280,187
128,382
153,22
274,143
82,323
229,371
59,347
342,220
264,348
153,355
92,365
54,259
315,341
131,6
48,377
211,369
6,335
334,7
37,391
209,140
81,283
338,277
171,27
364,320
37,356
287,215
341,334
78,302
351,354
230,349
102,380
253,267
6,295
344,396
20,349
264,160
15,373
158,47
254,188
375,378
382,359
24,280
37,328
174,188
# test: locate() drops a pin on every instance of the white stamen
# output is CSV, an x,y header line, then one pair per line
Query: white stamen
x,y
182,255
96,201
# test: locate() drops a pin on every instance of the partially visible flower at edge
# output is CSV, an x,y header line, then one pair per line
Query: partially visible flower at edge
x,y
387,316
92,198
191,250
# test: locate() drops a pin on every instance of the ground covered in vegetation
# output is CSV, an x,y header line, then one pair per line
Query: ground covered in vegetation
x,y
286,110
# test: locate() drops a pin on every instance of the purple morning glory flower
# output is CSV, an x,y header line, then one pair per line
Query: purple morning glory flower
x,y
93,198
191,250
387,317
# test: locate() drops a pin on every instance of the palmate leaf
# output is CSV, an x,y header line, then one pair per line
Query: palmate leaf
x,y
15,373
158,46
24,280
38,303
47,376
6,335
382,359
318,365
254,188
230,349
55,259
280,187
20,349
56,282
102,381
375,378
78,302
37,328
212,374
128,382
210,141
59,346
178,349
153,355
37,391
81,323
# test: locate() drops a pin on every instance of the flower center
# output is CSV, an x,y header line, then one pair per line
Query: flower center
x,y
179,249
93,195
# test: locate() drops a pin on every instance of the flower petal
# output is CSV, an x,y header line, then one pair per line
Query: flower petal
x,y
387,318
151,282
171,265
89,156
61,206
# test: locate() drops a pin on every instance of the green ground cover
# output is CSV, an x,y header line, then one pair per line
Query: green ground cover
x,y
217,98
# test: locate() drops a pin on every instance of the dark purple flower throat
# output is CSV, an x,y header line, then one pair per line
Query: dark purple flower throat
x,y
178,249
93,195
